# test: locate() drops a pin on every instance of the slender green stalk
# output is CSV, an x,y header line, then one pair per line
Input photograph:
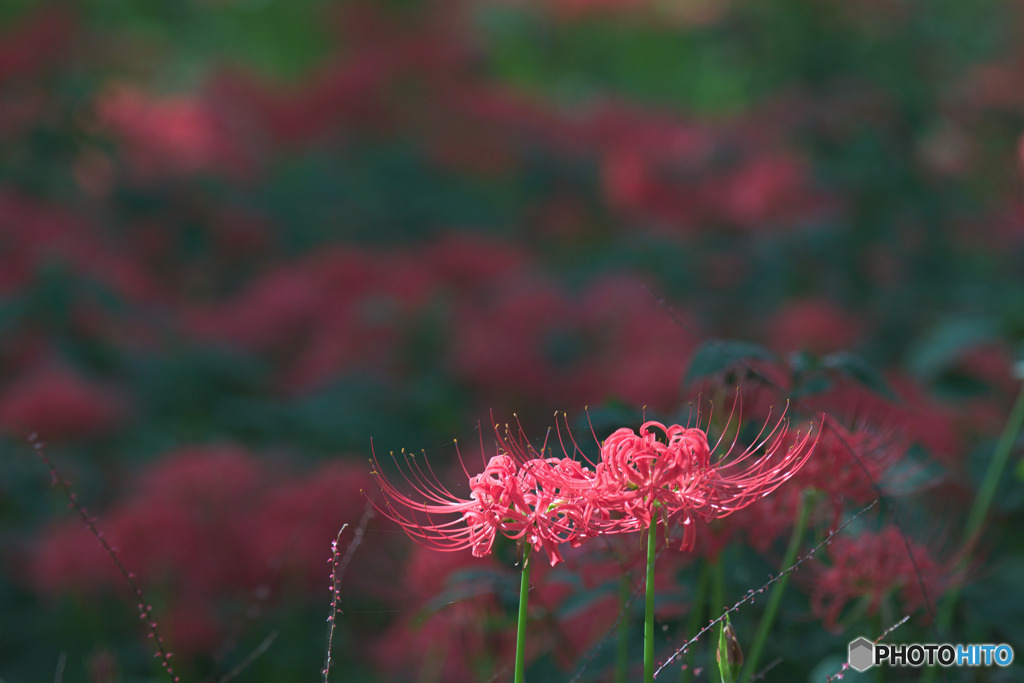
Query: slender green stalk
x,y
987,492
772,607
622,650
652,537
524,594
976,517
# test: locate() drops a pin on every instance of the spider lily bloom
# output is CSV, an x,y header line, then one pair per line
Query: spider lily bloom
x,y
874,568
517,496
669,470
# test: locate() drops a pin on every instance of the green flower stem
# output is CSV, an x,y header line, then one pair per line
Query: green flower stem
x,y
622,649
976,517
987,492
772,607
652,538
524,594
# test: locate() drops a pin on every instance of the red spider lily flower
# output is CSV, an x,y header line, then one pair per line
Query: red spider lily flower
x,y
670,470
519,496
874,568
549,501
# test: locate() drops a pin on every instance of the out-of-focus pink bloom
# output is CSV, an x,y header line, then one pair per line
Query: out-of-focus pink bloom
x,y
39,39
34,235
466,261
874,567
769,522
295,515
650,162
452,644
60,403
339,309
270,314
209,524
640,352
921,418
20,109
818,326
768,189
848,466
511,340
937,426
172,135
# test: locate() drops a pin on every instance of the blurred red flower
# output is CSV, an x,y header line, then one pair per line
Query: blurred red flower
x,y
172,135
59,403
39,39
817,326
209,526
873,568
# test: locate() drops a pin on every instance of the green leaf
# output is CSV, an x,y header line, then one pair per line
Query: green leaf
x,y
716,355
860,370
945,342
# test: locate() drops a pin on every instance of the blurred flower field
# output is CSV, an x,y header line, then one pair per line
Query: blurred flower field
x,y
241,239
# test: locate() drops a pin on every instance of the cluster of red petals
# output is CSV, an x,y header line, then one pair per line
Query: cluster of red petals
x,y
662,471
518,498
669,471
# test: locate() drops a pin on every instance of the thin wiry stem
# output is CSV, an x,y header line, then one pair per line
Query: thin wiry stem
x,y
58,674
759,676
250,658
776,597
145,609
886,501
331,618
846,665
752,593
357,539
982,503
339,564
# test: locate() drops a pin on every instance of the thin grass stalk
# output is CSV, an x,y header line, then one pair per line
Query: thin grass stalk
x,y
979,510
775,598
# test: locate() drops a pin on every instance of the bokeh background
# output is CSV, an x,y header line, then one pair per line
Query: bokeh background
x,y
241,238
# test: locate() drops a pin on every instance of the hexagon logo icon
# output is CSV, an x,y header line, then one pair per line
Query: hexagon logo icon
x,y
862,654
